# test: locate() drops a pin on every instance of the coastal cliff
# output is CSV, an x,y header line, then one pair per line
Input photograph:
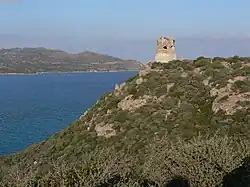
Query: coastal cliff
x,y
184,120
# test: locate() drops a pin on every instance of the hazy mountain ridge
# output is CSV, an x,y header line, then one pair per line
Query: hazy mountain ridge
x,y
155,127
34,60
142,49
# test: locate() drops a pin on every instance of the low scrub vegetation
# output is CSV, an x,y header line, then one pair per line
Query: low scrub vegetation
x,y
202,161
184,123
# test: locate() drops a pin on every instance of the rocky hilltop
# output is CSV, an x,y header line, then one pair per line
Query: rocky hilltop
x,y
35,60
182,122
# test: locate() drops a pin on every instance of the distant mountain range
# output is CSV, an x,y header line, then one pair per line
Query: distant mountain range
x,y
36,60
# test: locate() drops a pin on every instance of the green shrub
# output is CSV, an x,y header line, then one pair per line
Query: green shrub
x,y
203,161
242,86
201,62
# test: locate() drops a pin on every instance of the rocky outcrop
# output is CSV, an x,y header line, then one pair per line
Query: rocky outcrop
x,y
227,99
130,104
119,89
105,130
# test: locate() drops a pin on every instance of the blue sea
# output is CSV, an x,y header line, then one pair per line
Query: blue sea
x,y
33,107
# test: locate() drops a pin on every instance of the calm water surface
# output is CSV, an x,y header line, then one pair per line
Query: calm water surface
x,y
33,107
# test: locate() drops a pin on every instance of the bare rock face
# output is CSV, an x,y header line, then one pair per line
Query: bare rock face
x,y
119,88
230,103
146,70
130,104
105,130
165,51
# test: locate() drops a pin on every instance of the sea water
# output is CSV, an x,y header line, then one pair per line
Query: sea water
x,y
33,107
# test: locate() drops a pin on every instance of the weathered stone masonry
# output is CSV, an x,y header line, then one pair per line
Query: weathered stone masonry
x,y
165,51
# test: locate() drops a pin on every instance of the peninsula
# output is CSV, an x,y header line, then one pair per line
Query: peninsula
x,y
42,60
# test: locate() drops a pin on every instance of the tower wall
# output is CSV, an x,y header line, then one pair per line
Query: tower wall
x,y
165,50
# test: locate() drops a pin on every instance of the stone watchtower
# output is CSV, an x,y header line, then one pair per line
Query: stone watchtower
x,y
165,51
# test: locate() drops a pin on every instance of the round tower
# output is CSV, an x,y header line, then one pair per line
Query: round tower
x,y
165,50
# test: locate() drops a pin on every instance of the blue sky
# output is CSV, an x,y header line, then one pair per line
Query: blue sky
x,y
104,25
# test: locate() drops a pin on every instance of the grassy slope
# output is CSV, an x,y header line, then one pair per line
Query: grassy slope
x,y
180,110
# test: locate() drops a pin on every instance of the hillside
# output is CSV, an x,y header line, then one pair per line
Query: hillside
x,y
184,120
34,60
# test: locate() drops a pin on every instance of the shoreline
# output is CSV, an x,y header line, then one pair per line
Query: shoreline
x,y
73,72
